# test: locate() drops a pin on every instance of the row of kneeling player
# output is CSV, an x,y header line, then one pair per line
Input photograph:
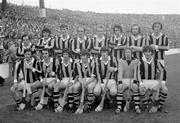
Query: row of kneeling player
x,y
90,83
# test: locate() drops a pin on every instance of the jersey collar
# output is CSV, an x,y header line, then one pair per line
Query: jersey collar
x,y
109,58
28,63
157,37
145,60
47,64
136,38
85,38
70,61
99,39
66,38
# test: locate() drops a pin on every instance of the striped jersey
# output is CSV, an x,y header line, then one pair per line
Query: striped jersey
x,y
102,67
150,70
30,75
88,70
78,43
52,66
161,40
98,43
65,69
61,43
114,41
46,43
21,48
139,42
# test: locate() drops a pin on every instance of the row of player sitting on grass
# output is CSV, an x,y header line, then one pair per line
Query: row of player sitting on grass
x,y
82,85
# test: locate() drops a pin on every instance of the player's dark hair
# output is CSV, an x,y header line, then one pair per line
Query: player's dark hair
x,y
139,28
28,50
104,49
84,52
47,30
157,23
147,49
62,26
25,35
118,26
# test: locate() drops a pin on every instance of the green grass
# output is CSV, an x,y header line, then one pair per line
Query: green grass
x,y
8,115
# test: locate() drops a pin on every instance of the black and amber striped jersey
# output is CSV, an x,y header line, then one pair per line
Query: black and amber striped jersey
x,y
99,42
103,67
61,43
20,50
88,70
52,65
161,40
30,75
46,43
78,44
150,70
114,42
65,69
138,41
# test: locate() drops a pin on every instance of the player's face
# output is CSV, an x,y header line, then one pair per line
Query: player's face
x,y
84,58
157,28
100,31
27,55
64,30
128,53
45,54
65,56
35,41
135,30
148,55
26,40
45,34
80,31
104,54
117,31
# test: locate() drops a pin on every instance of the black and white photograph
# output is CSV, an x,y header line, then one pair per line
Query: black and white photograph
x,y
89,61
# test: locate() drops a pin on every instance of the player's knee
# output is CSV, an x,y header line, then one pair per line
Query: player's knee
x,y
97,90
91,88
135,87
120,88
76,87
50,86
113,91
142,90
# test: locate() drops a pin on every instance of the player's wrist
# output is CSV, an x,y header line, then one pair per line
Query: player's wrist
x,y
15,81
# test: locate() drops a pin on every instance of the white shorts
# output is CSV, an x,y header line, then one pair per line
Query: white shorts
x,y
21,85
126,82
111,82
49,80
151,84
66,80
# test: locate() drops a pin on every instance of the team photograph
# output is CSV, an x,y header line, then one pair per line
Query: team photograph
x,y
72,66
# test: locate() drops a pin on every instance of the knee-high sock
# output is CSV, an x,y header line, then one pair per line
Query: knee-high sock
x,y
56,98
70,99
76,99
90,98
162,98
136,98
119,100
18,101
144,100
